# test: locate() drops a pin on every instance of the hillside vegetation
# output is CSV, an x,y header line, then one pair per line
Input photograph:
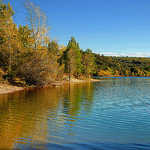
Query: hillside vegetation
x,y
122,66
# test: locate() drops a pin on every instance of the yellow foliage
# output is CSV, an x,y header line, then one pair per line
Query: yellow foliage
x,y
116,73
104,73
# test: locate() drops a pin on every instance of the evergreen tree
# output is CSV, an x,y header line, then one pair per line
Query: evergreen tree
x,y
53,47
73,46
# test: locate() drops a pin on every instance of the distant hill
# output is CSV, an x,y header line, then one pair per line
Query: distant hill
x,y
124,66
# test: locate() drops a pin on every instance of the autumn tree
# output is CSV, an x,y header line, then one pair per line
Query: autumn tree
x,y
8,31
37,21
54,54
88,62
24,36
37,66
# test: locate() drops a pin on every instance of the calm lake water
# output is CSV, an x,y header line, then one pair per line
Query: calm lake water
x,y
110,114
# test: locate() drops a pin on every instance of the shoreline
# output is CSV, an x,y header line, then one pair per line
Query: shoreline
x,y
6,88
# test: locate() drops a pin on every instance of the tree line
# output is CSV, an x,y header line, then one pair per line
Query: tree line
x,y
28,54
122,66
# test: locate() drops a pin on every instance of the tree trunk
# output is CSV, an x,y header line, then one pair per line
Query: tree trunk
x,y
9,55
35,46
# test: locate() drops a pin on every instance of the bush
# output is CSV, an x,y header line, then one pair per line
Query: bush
x,y
36,70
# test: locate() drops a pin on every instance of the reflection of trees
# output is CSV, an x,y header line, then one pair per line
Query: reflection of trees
x,y
24,115
77,96
32,114
88,93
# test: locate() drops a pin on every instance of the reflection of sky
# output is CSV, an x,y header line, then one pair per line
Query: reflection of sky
x,y
123,109
120,114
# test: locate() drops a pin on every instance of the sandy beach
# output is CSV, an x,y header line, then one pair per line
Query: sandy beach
x,y
5,88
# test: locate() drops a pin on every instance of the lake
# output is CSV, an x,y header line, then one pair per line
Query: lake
x,y
113,113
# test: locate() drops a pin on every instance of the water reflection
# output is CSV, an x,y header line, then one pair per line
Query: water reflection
x,y
75,96
84,115
45,115
24,115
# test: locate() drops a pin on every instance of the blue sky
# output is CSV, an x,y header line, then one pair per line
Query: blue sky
x,y
109,27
